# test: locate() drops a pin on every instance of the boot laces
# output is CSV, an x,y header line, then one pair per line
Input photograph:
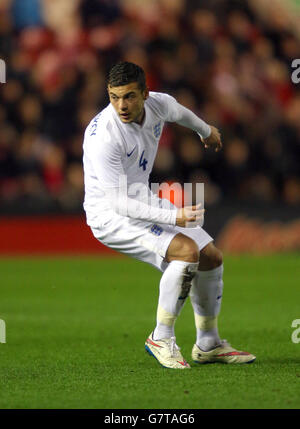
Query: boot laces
x,y
173,346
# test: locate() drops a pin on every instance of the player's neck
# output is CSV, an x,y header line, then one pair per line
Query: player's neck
x,y
140,119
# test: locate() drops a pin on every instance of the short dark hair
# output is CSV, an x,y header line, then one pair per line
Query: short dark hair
x,y
124,73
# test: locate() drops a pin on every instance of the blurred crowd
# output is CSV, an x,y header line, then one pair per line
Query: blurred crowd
x,y
226,60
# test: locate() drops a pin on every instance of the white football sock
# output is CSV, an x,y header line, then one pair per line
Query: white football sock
x,y
174,288
206,296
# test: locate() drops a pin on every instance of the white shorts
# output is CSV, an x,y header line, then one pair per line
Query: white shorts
x,y
145,241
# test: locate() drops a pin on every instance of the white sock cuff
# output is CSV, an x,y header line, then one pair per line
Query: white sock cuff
x,y
214,273
181,265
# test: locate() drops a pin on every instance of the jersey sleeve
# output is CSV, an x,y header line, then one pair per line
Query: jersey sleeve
x,y
175,112
106,158
167,107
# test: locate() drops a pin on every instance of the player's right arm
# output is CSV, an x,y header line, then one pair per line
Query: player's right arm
x,y
105,156
188,214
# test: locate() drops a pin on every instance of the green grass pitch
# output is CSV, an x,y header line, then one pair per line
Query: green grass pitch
x,y
75,332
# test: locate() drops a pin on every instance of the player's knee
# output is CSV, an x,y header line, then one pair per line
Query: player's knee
x,y
190,252
183,249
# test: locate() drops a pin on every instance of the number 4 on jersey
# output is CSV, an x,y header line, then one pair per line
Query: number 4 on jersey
x,y
143,162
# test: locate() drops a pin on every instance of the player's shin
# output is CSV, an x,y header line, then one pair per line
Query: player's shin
x,y
206,296
174,288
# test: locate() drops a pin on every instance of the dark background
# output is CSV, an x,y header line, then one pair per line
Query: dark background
x,y
228,61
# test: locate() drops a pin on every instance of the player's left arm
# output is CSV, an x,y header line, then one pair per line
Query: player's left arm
x,y
209,135
176,112
213,140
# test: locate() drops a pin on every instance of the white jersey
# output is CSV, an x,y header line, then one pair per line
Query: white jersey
x,y
113,149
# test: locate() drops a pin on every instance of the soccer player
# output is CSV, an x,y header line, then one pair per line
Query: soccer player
x,y
121,142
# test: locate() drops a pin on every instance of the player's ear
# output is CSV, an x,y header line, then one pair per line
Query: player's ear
x,y
146,93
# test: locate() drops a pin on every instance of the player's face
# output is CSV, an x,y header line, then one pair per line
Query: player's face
x,y
128,101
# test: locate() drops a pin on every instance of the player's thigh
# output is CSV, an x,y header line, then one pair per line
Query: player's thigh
x,y
182,248
210,257
197,234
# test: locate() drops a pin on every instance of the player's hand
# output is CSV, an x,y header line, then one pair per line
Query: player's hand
x,y
213,140
189,214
